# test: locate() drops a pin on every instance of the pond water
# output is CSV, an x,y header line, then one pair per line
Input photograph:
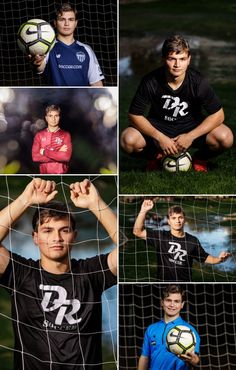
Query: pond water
x,y
214,58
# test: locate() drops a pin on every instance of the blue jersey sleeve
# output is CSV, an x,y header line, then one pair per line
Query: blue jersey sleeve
x,y
197,347
146,345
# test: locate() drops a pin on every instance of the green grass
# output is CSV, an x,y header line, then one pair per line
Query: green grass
x,y
188,17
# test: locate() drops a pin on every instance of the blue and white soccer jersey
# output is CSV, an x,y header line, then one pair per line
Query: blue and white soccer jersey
x,y
72,65
154,346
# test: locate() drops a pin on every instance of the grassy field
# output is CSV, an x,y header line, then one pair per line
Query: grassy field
x,y
157,19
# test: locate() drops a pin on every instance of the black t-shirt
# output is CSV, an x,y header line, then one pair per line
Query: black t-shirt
x,y
57,318
174,111
175,255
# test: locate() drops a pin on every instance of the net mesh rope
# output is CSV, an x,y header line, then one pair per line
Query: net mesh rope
x,y
210,219
96,245
97,27
210,308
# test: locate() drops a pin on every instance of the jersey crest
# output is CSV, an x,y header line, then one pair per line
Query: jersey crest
x,y
80,56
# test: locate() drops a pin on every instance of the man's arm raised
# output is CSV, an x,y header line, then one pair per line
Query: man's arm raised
x,y
85,195
38,191
138,229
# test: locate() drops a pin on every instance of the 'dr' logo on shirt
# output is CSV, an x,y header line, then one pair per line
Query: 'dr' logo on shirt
x,y
173,103
177,252
60,302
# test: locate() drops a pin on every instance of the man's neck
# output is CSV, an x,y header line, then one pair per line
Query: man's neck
x,y
178,233
68,40
168,319
175,82
53,129
55,267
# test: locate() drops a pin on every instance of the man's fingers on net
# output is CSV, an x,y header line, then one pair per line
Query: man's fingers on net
x,y
84,185
38,183
75,187
48,187
52,195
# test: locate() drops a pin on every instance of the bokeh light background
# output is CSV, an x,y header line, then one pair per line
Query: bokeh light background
x,y
90,115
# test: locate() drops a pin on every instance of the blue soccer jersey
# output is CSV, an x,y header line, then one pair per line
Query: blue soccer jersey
x,y
154,346
72,65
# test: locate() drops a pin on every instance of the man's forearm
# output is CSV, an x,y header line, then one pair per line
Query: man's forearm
x,y
142,124
10,214
213,260
143,363
106,217
209,124
138,229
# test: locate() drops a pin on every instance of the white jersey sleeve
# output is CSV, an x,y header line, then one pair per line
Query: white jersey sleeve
x,y
94,72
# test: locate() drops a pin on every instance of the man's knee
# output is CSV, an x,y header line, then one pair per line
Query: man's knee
x,y
131,142
227,138
220,138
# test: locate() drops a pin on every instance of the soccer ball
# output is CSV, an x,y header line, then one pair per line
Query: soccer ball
x,y
177,163
180,340
36,37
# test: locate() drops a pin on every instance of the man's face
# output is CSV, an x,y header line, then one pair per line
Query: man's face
x,y
53,119
66,24
54,239
177,64
176,221
172,304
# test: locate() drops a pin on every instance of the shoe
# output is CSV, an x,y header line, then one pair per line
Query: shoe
x,y
199,165
155,164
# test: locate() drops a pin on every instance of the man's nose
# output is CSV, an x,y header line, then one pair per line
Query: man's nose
x,y
176,62
57,235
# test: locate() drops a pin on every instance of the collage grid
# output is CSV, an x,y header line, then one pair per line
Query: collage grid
x,y
118,119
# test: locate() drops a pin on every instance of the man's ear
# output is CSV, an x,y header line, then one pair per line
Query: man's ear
x,y
75,233
182,304
35,237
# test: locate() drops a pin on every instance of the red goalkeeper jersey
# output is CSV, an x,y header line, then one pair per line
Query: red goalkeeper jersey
x,y
52,160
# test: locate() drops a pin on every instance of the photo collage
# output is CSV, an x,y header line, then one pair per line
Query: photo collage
x,y
117,185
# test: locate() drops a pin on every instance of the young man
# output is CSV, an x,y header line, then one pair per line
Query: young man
x,y
175,249
56,301
177,96
155,355
70,62
52,146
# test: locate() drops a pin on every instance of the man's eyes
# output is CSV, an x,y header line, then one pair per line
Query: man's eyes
x,y
64,19
66,231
